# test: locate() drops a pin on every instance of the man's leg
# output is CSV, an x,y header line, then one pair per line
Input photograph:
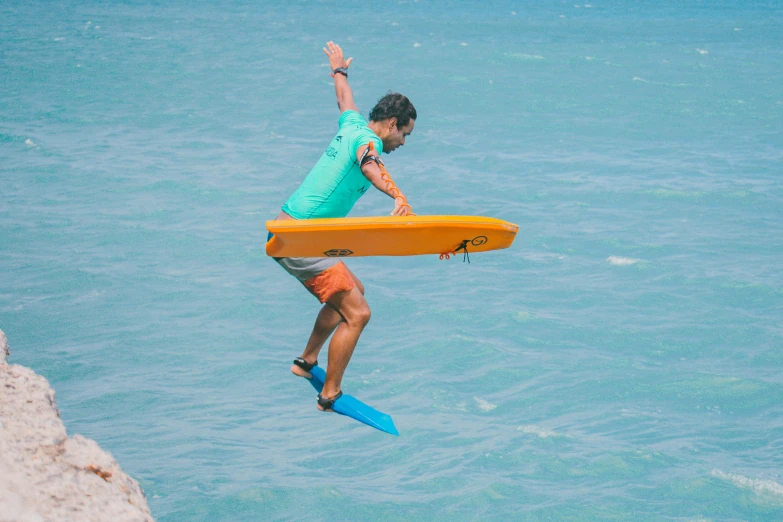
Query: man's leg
x,y
325,323
355,312
327,320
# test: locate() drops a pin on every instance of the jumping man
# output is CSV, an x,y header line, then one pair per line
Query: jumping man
x,y
342,175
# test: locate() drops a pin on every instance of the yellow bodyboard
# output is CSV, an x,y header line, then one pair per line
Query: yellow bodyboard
x,y
388,236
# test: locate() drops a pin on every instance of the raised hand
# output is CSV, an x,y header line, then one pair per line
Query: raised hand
x,y
336,56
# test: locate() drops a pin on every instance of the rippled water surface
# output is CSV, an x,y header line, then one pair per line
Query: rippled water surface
x,y
622,361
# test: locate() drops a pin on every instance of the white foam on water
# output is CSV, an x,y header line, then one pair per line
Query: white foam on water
x,y
543,433
703,51
484,405
524,316
757,485
30,143
622,261
463,44
460,406
524,56
416,44
59,39
639,79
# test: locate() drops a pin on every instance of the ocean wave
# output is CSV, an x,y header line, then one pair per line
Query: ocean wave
x,y
524,56
662,84
543,433
622,261
757,485
484,405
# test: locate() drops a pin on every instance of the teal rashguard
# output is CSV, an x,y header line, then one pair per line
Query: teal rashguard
x,y
336,182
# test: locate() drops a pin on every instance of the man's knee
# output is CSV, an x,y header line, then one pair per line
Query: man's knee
x,y
358,315
352,306
362,315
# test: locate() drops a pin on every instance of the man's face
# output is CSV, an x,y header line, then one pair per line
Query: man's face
x,y
396,137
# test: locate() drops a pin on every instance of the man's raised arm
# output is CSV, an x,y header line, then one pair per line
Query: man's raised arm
x,y
339,66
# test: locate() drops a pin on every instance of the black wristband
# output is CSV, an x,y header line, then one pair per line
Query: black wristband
x,y
341,70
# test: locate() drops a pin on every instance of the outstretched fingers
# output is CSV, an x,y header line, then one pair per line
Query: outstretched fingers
x,y
336,56
333,50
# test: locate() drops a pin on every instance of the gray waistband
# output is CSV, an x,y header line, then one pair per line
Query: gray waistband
x,y
304,268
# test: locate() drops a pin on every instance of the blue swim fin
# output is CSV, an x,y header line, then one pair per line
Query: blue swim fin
x,y
352,407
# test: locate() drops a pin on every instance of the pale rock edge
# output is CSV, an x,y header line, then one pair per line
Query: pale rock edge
x,y
44,474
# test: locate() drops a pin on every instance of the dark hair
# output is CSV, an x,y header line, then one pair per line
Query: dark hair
x,y
394,105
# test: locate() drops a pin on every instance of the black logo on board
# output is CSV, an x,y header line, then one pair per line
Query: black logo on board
x,y
338,252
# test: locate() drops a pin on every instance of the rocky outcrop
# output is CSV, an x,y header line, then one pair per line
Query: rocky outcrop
x,y
44,474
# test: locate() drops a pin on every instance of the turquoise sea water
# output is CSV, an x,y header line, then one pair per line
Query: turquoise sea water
x,y
621,362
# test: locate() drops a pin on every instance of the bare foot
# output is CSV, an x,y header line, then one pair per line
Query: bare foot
x,y
299,372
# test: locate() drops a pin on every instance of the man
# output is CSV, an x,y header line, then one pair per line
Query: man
x,y
342,175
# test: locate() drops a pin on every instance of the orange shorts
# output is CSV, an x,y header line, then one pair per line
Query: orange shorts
x,y
333,280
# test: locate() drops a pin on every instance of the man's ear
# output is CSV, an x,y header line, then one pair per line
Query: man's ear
x,y
392,123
